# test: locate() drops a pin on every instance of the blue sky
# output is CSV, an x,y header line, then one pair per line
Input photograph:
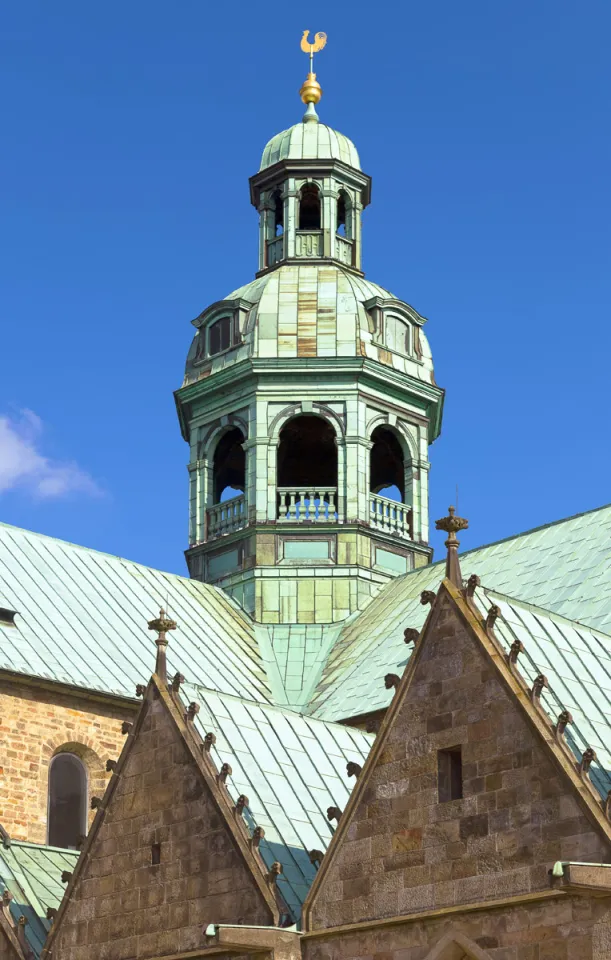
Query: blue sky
x,y
129,134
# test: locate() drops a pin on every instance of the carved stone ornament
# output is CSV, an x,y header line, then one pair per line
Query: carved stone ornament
x,y
225,772
66,876
316,857
562,723
353,769
391,681
274,872
241,803
333,813
427,596
51,913
111,766
209,741
451,525
472,584
588,757
492,616
192,710
517,647
140,689
539,685
410,635
96,802
257,836
162,624
177,679
126,727
607,806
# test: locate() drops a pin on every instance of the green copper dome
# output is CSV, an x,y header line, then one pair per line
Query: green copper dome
x,y
309,141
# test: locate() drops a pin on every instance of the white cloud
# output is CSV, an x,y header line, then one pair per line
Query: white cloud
x,y
23,466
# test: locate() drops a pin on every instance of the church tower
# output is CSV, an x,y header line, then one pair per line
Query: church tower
x,y
309,401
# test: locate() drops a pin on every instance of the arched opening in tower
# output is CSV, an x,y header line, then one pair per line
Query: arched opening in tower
x,y
307,469
229,466
344,220
387,465
278,214
309,207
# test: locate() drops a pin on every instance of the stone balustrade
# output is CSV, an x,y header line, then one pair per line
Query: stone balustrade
x,y
308,243
275,251
316,505
343,249
391,516
225,517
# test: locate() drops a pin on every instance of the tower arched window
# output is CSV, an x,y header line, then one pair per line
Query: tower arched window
x,y
307,469
309,207
67,817
387,465
229,466
278,214
398,335
344,215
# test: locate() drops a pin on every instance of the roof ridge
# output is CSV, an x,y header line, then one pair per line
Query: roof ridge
x,y
543,610
515,536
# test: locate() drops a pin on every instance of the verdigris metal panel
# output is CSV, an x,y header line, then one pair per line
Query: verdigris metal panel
x,y
82,619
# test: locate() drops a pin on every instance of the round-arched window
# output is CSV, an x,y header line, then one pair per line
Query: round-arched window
x,y
67,801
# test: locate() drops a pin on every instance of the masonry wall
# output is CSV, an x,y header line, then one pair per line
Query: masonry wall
x,y
568,928
35,724
6,950
125,906
403,851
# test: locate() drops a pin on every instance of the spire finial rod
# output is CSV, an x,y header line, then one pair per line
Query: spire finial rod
x,y
311,91
162,624
451,524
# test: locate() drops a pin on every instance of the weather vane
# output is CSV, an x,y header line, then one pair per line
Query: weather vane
x,y
311,91
320,41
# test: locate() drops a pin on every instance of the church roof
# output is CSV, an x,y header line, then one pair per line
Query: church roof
x,y
100,605
312,310
32,873
307,141
563,567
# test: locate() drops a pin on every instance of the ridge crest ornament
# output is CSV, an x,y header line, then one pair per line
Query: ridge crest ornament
x,y
451,524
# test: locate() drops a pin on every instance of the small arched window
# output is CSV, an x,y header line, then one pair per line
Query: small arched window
x,y
67,801
398,335
344,219
219,336
309,207
278,214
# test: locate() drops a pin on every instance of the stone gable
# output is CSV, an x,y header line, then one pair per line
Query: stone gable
x,y
402,851
122,904
7,950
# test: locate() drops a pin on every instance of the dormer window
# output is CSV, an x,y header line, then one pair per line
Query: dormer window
x,y
398,335
219,336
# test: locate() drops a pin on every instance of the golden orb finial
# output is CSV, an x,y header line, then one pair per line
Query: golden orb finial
x,y
311,91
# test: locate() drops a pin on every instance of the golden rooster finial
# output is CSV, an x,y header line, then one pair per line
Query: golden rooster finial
x,y
311,91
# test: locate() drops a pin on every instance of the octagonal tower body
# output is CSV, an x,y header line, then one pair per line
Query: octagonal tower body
x,y
308,402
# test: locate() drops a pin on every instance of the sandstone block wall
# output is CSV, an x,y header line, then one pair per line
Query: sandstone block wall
x,y
34,725
405,852
123,904
570,928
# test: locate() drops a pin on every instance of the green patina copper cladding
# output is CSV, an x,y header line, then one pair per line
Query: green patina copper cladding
x,y
32,873
308,338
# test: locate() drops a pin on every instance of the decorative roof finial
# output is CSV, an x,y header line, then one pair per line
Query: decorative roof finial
x,y
162,624
311,91
451,524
